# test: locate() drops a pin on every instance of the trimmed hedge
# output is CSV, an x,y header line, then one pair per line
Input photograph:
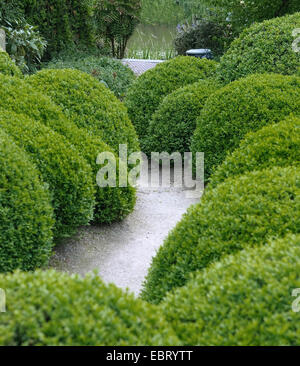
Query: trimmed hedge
x,y
264,47
243,106
89,104
238,213
244,300
174,122
62,310
25,211
112,204
62,168
8,67
147,92
113,73
275,145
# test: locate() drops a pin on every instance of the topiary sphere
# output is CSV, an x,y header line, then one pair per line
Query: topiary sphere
x,y
174,122
67,174
8,67
244,300
112,204
239,213
274,145
147,92
26,215
61,310
89,104
243,106
263,48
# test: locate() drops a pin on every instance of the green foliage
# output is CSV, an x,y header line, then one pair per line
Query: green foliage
x,y
147,92
67,174
62,310
7,66
25,211
174,122
116,21
89,104
243,106
112,204
113,73
238,213
264,47
243,300
274,145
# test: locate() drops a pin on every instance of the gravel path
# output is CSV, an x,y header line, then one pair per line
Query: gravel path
x,y
122,252
140,66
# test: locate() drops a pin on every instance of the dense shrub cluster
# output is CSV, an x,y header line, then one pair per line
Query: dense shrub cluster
x,y
274,145
148,91
112,204
7,66
57,309
113,73
25,211
174,122
243,300
89,104
243,106
264,47
67,174
239,213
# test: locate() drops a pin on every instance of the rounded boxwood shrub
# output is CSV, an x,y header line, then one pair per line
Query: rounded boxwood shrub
x,y
7,66
147,92
238,213
112,204
62,310
112,72
274,145
264,47
243,106
244,300
174,122
89,104
66,173
26,215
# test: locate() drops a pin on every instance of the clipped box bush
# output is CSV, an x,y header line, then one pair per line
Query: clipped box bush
x,y
238,213
274,145
112,204
264,47
148,91
174,122
243,106
244,300
89,104
26,215
66,173
8,67
113,73
62,310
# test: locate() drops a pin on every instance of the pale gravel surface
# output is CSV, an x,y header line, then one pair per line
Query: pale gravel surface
x,y
122,252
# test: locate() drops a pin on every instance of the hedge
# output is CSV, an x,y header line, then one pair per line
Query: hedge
x,y
174,122
243,106
147,92
90,105
244,300
112,204
25,211
238,213
66,173
263,48
274,145
111,72
62,310
8,67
